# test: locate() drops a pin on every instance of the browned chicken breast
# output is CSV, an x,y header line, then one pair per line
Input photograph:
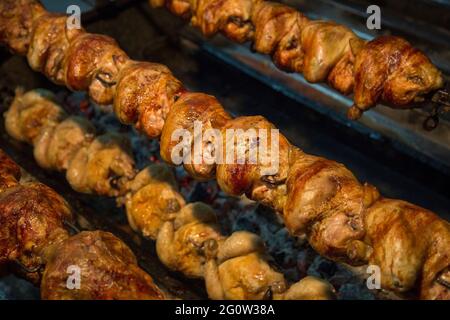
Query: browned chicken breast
x,y
197,115
390,69
107,268
93,63
284,25
404,239
31,222
257,173
144,95
49,43
326,203
324,44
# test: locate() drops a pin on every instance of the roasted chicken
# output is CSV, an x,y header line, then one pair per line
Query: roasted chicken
x,y
319,199
31,220
239,268
195,113
32,217
49,42
108,270
9,172
35,243
145,92
187,237
180,243
31,112
387,69
101,164
57,145
154,208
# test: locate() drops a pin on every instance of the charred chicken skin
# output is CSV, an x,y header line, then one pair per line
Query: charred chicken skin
x,y
320,199
35,243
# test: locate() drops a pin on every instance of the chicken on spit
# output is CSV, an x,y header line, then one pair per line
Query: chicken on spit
x,y
101,165
319,199
239,268
33,235
31,222
387,69
183,240
154,208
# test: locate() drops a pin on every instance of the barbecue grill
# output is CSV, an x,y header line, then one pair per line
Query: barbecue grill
x,y
393,149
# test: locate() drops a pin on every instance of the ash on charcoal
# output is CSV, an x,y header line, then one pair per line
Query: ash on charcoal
x,y
13,288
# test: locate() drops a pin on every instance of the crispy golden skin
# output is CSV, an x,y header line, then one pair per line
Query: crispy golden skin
x,y
231,17
108,271
326,203
324,44
49,43
93,63
263,173
386,69
191,110
404,239
144,95
152,199
31,221
320,199
148,208
9,172
284,25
